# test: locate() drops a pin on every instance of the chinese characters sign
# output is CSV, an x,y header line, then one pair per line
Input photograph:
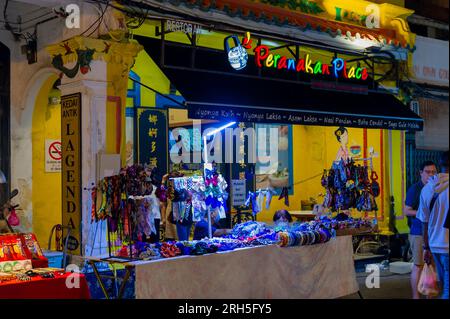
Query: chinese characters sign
x,y
242,172
152,138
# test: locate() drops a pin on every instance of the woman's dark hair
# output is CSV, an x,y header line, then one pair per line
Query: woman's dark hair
x,y
282,212
341,130
427,163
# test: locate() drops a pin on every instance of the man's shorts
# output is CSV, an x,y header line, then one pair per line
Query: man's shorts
x,y
416,242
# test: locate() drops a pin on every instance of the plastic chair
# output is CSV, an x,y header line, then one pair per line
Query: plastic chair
x,y
58,241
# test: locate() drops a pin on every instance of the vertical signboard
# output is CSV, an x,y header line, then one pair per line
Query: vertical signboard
x,y
238,192
152,139
243,170
71,168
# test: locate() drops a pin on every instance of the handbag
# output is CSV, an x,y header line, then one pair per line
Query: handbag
x,y
428,281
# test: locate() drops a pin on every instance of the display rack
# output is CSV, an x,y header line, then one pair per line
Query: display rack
x,y
118,207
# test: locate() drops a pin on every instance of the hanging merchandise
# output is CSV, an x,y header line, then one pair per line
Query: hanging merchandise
x,y
216,192
130,203
197,189
260,199
284,194
269,192
374,187
256,199
145,215
188,195
252,200
348,186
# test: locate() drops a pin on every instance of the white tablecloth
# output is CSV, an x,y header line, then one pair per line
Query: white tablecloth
x,y
318,271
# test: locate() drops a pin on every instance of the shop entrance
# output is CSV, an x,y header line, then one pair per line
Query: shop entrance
x,y
4,122
187,133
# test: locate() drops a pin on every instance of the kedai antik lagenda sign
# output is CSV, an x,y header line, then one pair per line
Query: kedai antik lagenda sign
x,y
264,58
71,167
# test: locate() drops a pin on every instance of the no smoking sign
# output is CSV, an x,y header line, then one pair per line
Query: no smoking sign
x,y
53,155
54,151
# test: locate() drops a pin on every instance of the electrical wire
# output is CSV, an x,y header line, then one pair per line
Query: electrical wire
x,y
35,18
421,91
325,45
98,21
232,27
8,27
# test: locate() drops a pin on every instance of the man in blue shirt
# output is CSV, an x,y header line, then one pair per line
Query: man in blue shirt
x,y
427,169
201,229
434,205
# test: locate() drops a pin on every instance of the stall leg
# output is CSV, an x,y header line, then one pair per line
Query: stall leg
x,y
99,279
124,282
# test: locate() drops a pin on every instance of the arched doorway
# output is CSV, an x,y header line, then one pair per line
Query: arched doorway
x,y
5,154
46,183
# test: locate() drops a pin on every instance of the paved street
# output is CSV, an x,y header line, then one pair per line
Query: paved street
x,y
392,286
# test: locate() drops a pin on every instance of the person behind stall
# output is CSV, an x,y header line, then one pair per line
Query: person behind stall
x,y
427,169
282,215
433,208
201,229
184,228
281,220
168,224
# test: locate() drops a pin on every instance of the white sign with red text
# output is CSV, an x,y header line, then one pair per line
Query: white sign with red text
x,y
430,61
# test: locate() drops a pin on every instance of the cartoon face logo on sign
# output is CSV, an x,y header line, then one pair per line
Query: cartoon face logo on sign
x,y
237,54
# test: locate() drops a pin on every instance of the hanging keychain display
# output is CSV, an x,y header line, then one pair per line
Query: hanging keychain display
x,y
348,186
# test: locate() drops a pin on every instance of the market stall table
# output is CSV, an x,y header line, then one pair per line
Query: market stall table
x,y
45,288
261,272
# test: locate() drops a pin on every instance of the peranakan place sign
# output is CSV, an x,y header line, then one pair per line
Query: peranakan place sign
x,y
71,167
264,58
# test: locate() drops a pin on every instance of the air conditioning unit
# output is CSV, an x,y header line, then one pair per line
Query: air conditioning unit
x,y
415,107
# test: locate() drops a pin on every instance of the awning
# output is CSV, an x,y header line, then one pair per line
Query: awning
x,y
212,91
232,98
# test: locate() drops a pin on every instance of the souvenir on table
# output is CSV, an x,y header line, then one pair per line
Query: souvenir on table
x,y
49,269
248,234
249,229
5,277
12,247
32,246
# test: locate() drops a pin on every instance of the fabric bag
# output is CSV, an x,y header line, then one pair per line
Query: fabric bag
x,y
428,281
